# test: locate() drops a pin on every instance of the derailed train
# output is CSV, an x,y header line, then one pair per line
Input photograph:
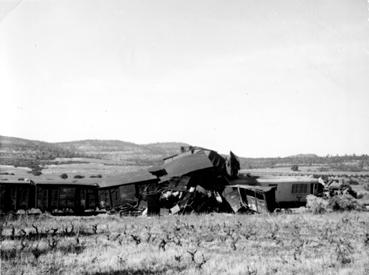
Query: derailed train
x,y
53,196
196,180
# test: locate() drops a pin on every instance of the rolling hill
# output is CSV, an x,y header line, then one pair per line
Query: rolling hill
x,y
24,152
32,153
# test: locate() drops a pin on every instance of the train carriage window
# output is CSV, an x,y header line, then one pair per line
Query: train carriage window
x,y
299,188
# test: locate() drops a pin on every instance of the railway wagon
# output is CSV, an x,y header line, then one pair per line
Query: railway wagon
x,y
66,197
292,191
118,190
260,199
16,194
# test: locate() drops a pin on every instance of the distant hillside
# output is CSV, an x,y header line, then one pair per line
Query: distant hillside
x,y
23,152
24,148
304,156
166,148
32,153
332,163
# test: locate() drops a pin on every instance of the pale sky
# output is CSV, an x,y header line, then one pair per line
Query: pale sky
x,y
262,78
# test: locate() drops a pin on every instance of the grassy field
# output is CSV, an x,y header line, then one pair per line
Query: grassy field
x,y
334,243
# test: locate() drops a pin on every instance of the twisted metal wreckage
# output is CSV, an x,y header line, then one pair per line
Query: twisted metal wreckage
x,y
197,180
200,180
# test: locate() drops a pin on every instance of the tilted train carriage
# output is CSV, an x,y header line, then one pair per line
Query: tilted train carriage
x,y
292,191
264,194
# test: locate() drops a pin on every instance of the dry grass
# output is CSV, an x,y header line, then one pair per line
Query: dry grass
x,y
210,244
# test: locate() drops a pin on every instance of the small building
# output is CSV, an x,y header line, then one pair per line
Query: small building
x,y
118,190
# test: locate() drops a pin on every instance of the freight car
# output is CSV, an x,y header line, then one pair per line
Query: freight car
x,y
16,193
67,197
55,196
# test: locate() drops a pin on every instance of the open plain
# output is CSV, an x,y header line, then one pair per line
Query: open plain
x,y
333,243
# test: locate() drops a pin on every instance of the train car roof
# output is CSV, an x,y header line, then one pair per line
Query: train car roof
x,y
127,178
286,180
253,187
70,182
188,163
47,180
15,179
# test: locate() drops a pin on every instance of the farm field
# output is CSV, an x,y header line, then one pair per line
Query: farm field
x,y
304,170
333,243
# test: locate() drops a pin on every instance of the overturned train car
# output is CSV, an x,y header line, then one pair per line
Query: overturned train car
x,y
245,198
267,194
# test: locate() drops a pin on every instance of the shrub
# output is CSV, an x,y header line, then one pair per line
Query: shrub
x,y
78,177
294,167
352,181
366,186
316,205
344,202
64,176
36,173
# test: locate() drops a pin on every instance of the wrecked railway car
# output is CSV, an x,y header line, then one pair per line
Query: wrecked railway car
x,y
243,198
118,190
292,191
193,181
289,192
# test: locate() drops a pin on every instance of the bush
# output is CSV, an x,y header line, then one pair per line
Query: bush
x,y
353,181
344,202
294,167
78,177
64,176
36,173
366,186
316,205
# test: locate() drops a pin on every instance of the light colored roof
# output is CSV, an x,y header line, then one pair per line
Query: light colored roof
x,y
286,179
68,181
187,164
252,187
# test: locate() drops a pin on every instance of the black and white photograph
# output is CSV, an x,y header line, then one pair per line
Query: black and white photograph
x,y
184,137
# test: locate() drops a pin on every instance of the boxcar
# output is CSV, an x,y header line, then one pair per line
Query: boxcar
x,y
66,197
16,194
